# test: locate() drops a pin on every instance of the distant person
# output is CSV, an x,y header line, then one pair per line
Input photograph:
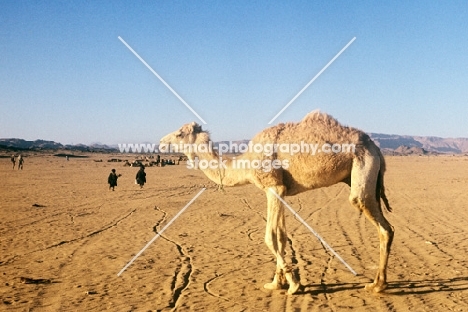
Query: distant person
x,y
112,179
20,162
141,176
66,158
13,160
158,160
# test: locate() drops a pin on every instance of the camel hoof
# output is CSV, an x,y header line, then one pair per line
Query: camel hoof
x,y
272,286
375,288
293,288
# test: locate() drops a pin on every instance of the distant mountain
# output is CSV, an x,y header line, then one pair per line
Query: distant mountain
x,y
28,145
41,145
389,143
429,144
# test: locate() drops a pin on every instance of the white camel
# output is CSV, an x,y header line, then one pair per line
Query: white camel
x,y
362,169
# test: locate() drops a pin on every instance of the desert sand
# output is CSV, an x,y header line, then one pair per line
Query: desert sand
x,y
64,237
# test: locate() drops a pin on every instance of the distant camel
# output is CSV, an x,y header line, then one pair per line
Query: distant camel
x,y
362,169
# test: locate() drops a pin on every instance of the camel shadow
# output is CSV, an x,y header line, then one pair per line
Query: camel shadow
x,y
398,288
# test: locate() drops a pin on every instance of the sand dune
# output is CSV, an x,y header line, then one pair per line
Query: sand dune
x,y
64,237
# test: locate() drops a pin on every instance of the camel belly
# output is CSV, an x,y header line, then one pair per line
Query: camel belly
x,y
312,172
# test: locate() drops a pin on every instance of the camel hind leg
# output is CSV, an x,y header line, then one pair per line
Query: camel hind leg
x,y
363,196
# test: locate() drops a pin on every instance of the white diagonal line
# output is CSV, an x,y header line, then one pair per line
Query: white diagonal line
x,y
160,232
162,80
313,232
313,79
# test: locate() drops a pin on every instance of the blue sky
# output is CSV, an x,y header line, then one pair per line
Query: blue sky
x,y
65,76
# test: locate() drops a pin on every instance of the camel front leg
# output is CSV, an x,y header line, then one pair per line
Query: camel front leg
x,y
275,239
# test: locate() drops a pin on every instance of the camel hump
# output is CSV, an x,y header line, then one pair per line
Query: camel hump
x,y
321,119
317,115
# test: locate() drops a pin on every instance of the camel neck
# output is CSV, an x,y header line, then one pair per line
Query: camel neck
x,y
221,169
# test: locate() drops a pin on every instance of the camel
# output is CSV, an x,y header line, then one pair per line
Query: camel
x,y
362,169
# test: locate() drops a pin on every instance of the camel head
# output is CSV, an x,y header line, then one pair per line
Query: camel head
x,y
190,133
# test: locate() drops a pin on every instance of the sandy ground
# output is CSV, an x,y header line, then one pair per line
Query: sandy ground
x,y
64,237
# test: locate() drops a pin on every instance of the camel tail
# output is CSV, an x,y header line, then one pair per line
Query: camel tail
x,y
380,189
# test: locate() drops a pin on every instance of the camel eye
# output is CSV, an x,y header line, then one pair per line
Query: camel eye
x,y
179,135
